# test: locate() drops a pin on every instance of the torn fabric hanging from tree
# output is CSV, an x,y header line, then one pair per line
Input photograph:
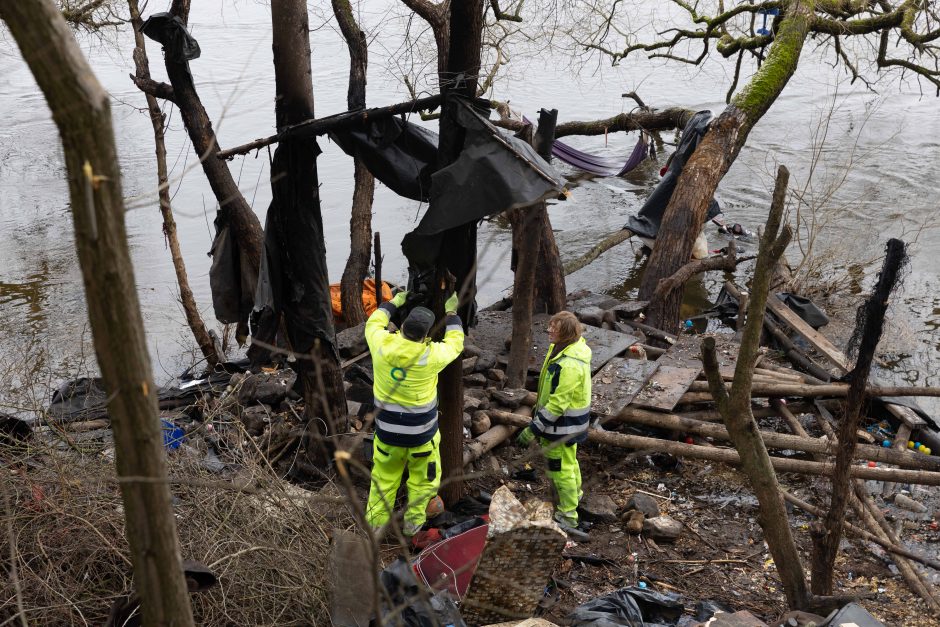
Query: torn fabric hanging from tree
x,y
494,173
290,283
646,222
400,154
170,32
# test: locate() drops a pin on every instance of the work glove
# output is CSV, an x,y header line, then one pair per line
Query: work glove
x,y
399,299
450,305
525,437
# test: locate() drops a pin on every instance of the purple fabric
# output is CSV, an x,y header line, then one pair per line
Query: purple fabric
x,y
601,166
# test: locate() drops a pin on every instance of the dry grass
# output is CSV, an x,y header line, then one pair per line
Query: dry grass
x,y
266,540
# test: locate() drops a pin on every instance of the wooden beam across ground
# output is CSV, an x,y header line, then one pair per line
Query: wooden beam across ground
x,y
617,383
816,339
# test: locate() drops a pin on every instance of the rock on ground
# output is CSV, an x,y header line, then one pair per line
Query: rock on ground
x,y
598,508
662,527
644,503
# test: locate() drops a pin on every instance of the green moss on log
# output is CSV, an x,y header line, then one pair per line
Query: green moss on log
x,y
781,62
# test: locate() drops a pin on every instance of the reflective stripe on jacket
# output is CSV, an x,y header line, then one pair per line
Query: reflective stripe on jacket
x,y
405,377
563,406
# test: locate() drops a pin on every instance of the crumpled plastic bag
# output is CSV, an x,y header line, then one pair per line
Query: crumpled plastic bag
x,y
422,609
628,607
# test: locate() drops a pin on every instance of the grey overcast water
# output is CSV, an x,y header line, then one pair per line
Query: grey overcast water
x,y
885,145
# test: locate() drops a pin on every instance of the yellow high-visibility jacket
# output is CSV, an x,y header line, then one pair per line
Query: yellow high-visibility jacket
x,y
405,377
563,404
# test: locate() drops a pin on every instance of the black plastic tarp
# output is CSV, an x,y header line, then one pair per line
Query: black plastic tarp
x,y
170,31
293,278
628,607
422,608
646,222
495,172
400,154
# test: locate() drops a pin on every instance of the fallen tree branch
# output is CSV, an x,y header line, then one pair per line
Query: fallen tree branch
x,y
617,237
697,266
321,126
154,88
885,544
728,456
772,439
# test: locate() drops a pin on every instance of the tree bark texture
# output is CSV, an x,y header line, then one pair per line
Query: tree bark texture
x,y
81,110
459,248
523,292
736,411
550,289
438,17
525,250
157,119
233,208
360,222
826,540
685,214
297,221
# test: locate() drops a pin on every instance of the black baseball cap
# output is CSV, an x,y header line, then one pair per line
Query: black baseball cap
x,y
418,323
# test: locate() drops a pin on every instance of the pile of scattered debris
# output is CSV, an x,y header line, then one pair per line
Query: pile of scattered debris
x,y
674,533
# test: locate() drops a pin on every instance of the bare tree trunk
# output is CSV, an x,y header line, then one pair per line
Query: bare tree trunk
x,y
297,222
233,208
550,289
80,108
527,249
157,119
685,214
736,410
458,252
360,223
826,538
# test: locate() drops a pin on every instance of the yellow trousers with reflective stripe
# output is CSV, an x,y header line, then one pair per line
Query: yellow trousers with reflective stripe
x,y
424,476
565,473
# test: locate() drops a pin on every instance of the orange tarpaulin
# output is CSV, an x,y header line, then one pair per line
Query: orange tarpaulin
x,y
368,297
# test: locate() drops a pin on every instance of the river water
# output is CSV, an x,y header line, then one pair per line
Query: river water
x,y
876,175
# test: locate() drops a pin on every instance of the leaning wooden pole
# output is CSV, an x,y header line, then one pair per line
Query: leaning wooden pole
x,y
735,407
81,110
157,120
871,320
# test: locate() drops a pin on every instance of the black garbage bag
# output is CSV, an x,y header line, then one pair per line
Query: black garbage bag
x,y
628,607
422,609
647,220
805,309
170,31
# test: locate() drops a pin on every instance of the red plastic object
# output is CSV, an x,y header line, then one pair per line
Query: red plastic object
x,y
872,465
450,564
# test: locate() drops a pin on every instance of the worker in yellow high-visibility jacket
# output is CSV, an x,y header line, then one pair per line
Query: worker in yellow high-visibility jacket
x,y
562,412
405,366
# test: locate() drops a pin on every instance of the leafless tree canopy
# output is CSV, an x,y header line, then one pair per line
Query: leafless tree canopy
x,y
93,15
866,36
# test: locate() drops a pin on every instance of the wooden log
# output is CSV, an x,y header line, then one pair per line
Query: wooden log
x,y
730,456
794,354
831,390
476,448
669,338
807,378
771,439
885,544
814,337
